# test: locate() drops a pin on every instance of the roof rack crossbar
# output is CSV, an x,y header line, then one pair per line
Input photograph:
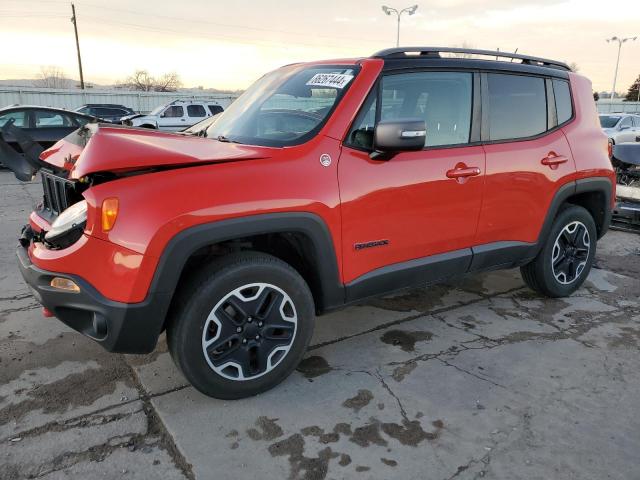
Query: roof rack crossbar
x,y
435,52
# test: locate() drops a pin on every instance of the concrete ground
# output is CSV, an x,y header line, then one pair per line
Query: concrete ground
x,y
479,378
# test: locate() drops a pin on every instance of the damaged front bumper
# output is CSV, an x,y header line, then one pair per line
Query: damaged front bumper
x,y
118,327
626,160
626,214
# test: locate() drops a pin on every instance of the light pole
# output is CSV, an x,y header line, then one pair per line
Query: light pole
x,y
615,75
409,10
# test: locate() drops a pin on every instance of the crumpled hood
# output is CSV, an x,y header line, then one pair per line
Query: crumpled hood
x,y
114,148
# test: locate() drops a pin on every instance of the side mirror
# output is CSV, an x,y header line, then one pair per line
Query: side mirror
x,y
393,136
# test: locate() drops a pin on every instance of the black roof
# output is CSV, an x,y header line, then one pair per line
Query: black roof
x,y
408,57
110,105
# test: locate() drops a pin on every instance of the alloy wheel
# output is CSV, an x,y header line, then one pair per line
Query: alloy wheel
x,y
249,331
570,252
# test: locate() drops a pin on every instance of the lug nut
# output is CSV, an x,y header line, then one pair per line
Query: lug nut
x,y
239,329
249,319
244,340
259,324
257,337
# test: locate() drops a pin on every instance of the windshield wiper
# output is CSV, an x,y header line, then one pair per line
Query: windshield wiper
x,y
222,138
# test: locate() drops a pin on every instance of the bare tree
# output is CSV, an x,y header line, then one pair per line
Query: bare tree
x,y
140,80
52,77
143,81
169,82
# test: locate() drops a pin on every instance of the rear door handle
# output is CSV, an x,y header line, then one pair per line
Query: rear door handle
x,y
463,172
553,160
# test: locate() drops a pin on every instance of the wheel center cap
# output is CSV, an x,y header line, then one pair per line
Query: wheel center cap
x,y
251,329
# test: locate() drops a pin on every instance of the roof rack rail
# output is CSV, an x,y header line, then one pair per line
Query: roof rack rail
x,y
434,52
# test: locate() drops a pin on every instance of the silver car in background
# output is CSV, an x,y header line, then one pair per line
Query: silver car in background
x,y
621,127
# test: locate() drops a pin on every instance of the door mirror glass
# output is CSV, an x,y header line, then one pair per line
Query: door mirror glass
x,y
400,135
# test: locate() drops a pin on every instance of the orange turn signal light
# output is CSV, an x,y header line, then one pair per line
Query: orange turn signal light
x,y
109,213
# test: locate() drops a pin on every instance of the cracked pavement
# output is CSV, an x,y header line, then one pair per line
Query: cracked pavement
x,y
479,378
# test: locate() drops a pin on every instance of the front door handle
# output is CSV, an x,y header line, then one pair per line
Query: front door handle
x,y
463,172
553,160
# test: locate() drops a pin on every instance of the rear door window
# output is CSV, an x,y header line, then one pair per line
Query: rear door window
x,y
196,111
517,106
561,92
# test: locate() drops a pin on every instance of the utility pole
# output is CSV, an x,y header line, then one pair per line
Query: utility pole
x,y
75,28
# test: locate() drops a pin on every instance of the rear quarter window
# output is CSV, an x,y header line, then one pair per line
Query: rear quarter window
x,y
215,109
517,106
562,93
196,111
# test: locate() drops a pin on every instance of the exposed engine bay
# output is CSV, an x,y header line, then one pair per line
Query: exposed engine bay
x,y
626,162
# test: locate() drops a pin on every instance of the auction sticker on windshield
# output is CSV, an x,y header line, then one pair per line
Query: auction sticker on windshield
x,y
331,80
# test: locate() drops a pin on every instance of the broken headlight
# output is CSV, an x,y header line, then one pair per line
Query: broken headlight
x,y
68,227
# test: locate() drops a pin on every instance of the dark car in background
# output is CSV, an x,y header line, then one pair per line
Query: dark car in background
x,y
38,128
43,124
111,112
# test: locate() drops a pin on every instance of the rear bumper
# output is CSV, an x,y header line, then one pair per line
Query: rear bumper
x,y
118,327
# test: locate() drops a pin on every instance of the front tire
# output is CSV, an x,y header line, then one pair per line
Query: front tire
x,y
241,325
565,260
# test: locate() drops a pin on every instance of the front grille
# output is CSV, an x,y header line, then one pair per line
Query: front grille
x,y
59,193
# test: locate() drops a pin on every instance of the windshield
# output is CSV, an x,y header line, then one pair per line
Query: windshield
x,y
157,110
608,121
285,107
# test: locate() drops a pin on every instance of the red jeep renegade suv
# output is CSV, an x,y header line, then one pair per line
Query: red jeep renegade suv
x,y
323,184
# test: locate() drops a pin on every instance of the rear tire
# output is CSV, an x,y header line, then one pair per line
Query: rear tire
x,y
566,257
241,325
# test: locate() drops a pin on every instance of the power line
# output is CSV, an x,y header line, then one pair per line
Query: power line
x,y
215,36
226,25
216,24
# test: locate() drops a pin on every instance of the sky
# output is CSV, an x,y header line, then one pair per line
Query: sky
x,y
229,44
